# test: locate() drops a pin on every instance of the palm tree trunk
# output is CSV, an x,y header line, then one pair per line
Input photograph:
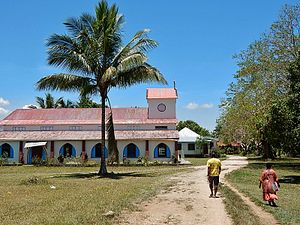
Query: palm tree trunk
x,y
103,170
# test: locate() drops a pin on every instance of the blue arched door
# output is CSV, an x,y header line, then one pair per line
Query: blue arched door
x,y
131,151
6,151
96,151
67,151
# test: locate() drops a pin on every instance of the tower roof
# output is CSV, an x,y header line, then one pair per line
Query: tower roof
x,y
161,93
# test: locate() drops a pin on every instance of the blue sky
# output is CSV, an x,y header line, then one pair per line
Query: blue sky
x,y
197,40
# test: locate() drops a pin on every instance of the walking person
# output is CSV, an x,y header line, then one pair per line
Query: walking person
x,y
269,183
213,174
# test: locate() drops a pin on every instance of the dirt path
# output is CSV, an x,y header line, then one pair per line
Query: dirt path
x,y
186,202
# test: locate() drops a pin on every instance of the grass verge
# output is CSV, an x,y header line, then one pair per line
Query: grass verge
x,y
288,170
239,212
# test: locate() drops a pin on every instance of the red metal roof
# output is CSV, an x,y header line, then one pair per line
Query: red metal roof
x,y
87,135
161,93
79,116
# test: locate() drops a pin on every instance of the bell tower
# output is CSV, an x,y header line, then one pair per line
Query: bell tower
x,y
161,103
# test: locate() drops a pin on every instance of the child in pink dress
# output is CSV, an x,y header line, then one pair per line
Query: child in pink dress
x,y
269,183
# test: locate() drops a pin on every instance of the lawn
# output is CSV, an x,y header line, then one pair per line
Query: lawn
x,y
75,195
288,170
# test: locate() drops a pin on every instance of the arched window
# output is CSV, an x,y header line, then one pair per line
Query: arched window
x,y
162,151
6,151
96,151
67,150
131,151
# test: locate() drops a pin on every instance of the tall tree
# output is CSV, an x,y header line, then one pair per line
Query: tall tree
x,y
261,83
94,51
87,102
50,102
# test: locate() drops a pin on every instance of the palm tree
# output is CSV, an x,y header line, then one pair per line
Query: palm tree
x,y
50,102
96,59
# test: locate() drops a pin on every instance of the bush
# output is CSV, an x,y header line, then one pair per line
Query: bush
x,y
34,180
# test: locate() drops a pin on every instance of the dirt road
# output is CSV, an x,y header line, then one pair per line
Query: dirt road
x,y
187,202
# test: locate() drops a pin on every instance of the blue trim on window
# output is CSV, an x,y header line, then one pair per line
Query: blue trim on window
x,y
93,152
137,152
73,151
125,152
168,152
0,150
29,156
156,152
105,153
11,154
61,151
44,154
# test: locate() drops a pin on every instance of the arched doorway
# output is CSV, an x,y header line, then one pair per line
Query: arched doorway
x,y
131,151
162,151
67,151
96,151
6,151
37,152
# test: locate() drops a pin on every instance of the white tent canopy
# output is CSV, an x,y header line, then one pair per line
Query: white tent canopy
x,y
34,144
187,135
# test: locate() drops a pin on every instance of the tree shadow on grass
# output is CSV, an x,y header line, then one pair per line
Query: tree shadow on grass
x,y
290,179
115,176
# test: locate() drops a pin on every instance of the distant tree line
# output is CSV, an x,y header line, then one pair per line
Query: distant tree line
x,y
192,125
262,107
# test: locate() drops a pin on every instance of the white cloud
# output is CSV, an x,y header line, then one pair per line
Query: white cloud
x,y
192,106
30,106
207,106
3,101
3,111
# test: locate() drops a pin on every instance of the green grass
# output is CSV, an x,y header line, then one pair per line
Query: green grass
x,y
239,212
197,161
80,196
288,170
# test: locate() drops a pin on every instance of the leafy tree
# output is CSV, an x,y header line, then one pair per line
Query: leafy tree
x,y
192,125
261,84
96,59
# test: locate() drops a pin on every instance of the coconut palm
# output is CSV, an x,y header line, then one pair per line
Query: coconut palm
x,y
96,59
50,102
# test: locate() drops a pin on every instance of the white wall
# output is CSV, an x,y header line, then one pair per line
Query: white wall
x,y
170,112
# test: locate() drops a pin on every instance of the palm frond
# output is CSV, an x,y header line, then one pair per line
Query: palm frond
x,y
68,53
142,74
40,101
63,82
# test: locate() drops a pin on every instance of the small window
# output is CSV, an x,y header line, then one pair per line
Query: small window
x,y
179,146
191,146
19,128
75,128
43,128
162,150
161,127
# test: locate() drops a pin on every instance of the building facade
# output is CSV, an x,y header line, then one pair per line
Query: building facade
x,y
150,132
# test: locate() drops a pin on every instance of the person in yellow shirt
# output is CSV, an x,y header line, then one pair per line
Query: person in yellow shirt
x,y
213,173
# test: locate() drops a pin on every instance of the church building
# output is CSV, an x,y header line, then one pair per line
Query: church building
x,y
150,132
